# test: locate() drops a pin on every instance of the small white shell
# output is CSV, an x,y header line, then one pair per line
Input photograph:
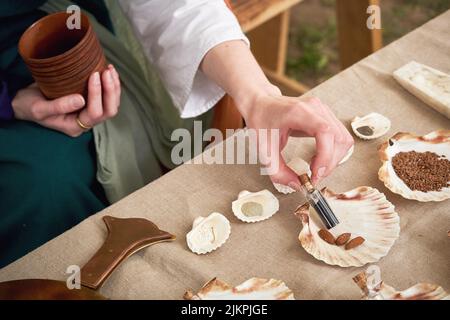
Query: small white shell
x,y
255,206
299,166
208,233
371,126
363,211
381,291
252,289
437,142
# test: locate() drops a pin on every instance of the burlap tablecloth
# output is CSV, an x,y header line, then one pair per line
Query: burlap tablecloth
x,y
271,249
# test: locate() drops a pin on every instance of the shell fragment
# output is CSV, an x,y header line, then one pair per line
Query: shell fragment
x,y
252,289
363,212
208,233
381,291
255,206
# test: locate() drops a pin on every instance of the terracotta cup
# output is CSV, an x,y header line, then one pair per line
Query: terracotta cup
x,y
60,59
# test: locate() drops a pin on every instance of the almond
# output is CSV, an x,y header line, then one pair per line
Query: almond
x,y
326,236
343,238
355,242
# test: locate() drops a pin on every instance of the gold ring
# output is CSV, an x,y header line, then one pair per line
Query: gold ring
x,y
82,125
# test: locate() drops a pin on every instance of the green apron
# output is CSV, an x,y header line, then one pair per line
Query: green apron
x,y
49,182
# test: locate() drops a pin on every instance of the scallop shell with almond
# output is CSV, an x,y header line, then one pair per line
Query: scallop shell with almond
x,y
437,142
381,291
255,206
208,233
252,289
363,212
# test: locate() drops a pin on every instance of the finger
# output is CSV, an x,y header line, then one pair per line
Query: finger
x,y
343,140
323,160
92,115
339,151
306,120
285,175
269,148
116,78
42,108
275,165
64,123
110,103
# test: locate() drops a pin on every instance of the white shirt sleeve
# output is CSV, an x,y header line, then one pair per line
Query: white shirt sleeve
x,y
176,35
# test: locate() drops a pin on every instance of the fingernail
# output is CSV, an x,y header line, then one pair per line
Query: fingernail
x,y
109,76
77,101
321,171
96,79
295,185
116,74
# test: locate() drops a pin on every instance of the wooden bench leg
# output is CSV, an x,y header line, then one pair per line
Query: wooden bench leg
x,y
356,40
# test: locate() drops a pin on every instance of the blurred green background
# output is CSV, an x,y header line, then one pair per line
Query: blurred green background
x,y
313,47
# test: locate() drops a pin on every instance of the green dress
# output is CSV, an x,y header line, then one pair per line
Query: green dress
x,y
50,182
47,179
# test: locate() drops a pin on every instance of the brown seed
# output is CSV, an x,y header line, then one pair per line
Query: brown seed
x,y
365,130
326,236
355,242
343,238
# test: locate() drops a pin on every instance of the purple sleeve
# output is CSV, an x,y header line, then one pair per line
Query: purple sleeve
x,y
6,111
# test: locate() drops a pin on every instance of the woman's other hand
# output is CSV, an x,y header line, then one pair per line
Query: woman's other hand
x,y
62,114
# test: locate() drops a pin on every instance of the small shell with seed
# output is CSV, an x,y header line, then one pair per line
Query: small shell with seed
x,y
252,289
381,291
371,126
208,233
255,206
363,212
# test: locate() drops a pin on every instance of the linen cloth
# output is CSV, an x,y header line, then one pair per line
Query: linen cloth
x,y
271,249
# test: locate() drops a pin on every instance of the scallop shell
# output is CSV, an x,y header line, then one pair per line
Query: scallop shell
x,y
363,211
381,291
255,206
436,141
252,289
299,166
208,233
371,126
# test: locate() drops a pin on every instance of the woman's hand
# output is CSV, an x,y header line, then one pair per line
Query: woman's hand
x,y
232,66
61,114
307,117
